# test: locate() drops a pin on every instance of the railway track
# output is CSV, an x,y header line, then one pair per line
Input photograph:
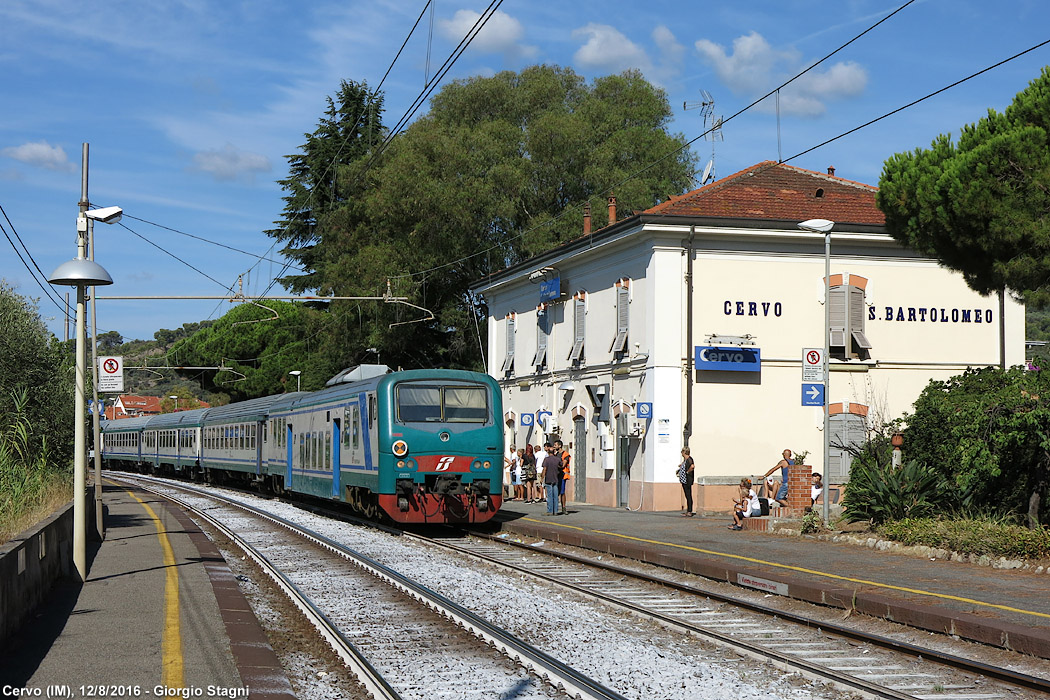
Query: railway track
x,y
869,664
722,634
401,639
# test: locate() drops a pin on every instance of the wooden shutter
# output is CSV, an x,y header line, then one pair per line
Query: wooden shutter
x,y
508,363
581,315
623,301
542,333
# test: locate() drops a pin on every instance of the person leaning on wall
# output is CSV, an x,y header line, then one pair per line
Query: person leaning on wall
x,y
686,471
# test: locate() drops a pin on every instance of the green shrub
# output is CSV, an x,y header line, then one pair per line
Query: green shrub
x,y
983,536
28,482
881,492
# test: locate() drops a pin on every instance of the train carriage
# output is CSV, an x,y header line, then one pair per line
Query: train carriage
x,y
418,446
122,441
234,438
171,442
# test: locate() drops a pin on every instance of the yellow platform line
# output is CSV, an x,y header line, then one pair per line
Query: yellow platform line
x,y
814,572
171,645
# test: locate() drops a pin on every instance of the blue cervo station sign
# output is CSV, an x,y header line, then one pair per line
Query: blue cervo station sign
x,y
728,359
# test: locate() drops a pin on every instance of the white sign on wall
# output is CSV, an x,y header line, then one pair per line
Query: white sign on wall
x,y
110,374
812,365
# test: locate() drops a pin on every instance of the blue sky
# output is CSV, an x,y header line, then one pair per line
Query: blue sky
x,y
189,106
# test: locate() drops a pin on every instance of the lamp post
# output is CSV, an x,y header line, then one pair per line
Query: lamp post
x,y
297,373
176,399
824,226
82,273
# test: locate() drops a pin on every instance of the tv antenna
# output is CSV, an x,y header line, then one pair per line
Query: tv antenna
x,y
712,130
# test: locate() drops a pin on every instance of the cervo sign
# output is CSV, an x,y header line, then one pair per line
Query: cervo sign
x,y
709,357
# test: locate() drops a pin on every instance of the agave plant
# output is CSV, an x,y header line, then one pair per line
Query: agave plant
x,y
883,492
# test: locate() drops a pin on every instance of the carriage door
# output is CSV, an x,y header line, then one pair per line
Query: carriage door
x,y
336,461
579,458
260,438
289,453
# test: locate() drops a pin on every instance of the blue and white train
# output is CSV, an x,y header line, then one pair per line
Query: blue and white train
x,y
418,446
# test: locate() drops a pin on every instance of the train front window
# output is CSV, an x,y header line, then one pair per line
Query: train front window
x,y
442,404
465,404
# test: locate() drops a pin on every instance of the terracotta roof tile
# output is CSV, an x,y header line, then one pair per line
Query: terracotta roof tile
x,y
777,191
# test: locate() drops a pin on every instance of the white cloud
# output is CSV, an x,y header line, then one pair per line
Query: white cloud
x,y
42,155
501,34
754,68
608,50
229,163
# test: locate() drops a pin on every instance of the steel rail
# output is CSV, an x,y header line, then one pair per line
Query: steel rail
x,y
555,672
367,674
950,660
1016,678
782,661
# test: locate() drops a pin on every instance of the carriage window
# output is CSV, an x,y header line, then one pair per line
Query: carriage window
x,y
449,404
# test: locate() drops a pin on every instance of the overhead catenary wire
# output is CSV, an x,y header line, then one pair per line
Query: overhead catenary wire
x,y
339,151
46,289
705,133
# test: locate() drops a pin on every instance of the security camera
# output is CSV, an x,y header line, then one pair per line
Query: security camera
x,y
107,215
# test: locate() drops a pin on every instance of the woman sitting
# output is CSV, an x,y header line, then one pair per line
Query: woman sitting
x,y
746,506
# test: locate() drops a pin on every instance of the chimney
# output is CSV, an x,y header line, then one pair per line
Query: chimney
x,y
612,210
831,170
587,219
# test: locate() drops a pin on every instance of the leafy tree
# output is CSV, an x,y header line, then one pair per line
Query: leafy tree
x,y
981,206
166,337
260,345
109,341
987,432
350,128
496,172
33,361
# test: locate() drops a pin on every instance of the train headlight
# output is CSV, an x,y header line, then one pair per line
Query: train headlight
x,y
486,464
400,448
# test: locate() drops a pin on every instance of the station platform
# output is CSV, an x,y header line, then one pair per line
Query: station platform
x,y
999,607
160,615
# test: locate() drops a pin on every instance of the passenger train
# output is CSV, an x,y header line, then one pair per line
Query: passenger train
x,y
416,446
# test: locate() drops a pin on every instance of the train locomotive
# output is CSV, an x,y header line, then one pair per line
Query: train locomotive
x,y
415,446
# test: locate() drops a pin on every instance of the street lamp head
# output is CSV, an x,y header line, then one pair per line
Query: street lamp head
x,y
107,215
817,225
295,372
80,272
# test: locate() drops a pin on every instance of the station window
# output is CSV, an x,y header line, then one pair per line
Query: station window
x,y
848,312
580,327
543,332
847,434
508,361
623,315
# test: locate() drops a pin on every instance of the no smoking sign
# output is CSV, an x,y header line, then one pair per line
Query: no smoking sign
x,y
110,374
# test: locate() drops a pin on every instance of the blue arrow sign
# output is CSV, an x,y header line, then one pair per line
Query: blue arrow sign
x,y
812,394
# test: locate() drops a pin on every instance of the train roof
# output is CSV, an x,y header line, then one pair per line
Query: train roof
x,y
178,419
252,409
125,424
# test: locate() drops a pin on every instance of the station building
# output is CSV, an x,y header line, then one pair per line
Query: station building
x,y
686,325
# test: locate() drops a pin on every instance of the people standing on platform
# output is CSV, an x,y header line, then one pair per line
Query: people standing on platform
x,y
508,475
685,477
529,471
747,506
516,471
781,489
566,458
551,478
